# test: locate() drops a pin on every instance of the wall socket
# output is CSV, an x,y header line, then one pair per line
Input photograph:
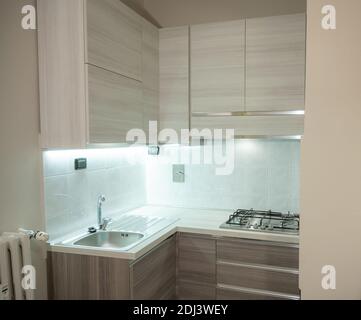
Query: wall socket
x,y
178,173
80,164
153,150
4,292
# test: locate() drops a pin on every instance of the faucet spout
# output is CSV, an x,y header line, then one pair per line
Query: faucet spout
x,y
101,199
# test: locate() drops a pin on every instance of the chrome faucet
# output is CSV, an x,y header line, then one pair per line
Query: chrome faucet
x,y
102,222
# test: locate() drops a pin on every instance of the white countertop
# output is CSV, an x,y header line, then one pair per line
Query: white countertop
x,y
200,221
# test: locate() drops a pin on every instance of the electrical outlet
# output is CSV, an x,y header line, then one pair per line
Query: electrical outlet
x,y
80,164
178,173
153,150
4,292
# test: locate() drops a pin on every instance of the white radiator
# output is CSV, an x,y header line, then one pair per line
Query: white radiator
x,y
14,255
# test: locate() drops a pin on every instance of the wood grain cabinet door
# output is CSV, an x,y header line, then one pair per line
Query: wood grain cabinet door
x,y
114,37
61,73
82,277
174,78
196,267
153,277
275,63
114,106
72,277
114,279
150,73
217,66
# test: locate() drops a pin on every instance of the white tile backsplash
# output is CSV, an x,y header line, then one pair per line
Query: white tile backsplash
x,y
266,176
71,196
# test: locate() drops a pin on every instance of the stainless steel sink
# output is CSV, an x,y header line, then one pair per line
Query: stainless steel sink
x,y
125,233
110,240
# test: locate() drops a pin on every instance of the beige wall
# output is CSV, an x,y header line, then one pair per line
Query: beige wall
x,y
331,152
171,13
138,6
19,127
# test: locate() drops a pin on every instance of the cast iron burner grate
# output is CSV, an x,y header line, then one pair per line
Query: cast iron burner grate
x,y
266,221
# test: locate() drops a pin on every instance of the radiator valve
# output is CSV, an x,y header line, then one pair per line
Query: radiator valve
x,y
37,235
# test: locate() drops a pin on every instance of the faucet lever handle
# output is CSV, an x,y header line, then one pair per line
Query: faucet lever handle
x,y
105,223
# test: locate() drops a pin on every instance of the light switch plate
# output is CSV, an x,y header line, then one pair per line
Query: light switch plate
x,y
178,173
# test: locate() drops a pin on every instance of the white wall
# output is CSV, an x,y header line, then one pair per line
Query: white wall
x,y
71,196
266,176
20,168
331,154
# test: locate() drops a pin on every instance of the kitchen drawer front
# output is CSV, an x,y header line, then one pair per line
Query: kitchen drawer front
x,y
154,275
259,278
188,290
258,252
196,258
229,293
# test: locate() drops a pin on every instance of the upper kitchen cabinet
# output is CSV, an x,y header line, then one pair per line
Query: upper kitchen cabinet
x,y
282,126
115,106
62,73
150,72
174,78
275,63
114,37
249,76
218,67
98,70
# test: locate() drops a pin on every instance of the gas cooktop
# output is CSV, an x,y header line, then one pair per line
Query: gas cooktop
x,y
263,221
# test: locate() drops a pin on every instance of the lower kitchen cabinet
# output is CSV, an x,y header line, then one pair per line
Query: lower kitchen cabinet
x,y
250,269
82,277
185,267
211,268
258,277
196,267
113,279
246,294
153,276
254,252
195,290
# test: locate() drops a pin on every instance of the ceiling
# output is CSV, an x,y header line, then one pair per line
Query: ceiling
x,y
169,13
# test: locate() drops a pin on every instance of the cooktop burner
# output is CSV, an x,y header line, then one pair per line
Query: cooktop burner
x,y
263,221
